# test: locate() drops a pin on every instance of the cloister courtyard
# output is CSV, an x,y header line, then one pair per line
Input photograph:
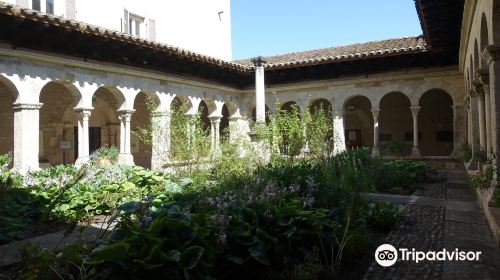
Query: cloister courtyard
x,y
122,157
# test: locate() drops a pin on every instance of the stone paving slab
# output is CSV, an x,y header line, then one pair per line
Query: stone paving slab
x,y
462,205
457,181
468,271
465,217
405,199
11,253
490,256
467,231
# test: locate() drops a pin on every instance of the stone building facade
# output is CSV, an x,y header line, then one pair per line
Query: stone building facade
x,y
59,101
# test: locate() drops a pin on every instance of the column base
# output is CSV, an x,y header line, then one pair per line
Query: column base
x,y
375,152
415,152
126,159
81,161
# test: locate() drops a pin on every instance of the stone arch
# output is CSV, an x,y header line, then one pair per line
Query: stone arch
x,y
118,96
179,101
104,124
57,123
8,95
436,123
141,149
204,111
477,58
289,105
232,108
224,122
483,38
322,103
9,87
395,122
254,114
358,121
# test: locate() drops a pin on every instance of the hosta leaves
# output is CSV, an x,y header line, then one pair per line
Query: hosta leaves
x,y
191,256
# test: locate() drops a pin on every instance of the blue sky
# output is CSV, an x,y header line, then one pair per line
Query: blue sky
x,y
268,27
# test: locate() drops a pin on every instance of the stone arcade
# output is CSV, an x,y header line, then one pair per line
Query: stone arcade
x,y
68,88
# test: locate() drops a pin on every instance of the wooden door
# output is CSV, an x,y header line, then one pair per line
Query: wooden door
x,y
353,138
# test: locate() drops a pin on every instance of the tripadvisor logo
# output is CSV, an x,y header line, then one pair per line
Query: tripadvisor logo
x,y
387,255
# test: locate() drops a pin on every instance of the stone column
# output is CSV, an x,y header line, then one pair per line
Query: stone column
x,y
459,124
478,89
376,133
484,78
474,140
415,151
491,56
260,92
338,132
125,156
215,134
83,115
160,139
26,136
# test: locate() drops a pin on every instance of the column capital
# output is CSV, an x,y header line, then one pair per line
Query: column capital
x,y
215,118
258,61
26,106
415,109
125,114
375,112
158,114
337,113
483,76
477,87
491,53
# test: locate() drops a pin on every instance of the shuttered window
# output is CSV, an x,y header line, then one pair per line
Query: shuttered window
x,y
36,5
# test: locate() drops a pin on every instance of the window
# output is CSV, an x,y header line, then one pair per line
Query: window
x,y
49,6
135,24
36,5
46,6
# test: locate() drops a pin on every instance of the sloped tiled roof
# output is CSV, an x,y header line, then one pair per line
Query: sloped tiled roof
x,y
347,52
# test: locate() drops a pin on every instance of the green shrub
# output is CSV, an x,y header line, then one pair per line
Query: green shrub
x,y
465,152
482,180
402,176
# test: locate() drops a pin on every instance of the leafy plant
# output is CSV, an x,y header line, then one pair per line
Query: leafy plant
x,y
482,180
465,152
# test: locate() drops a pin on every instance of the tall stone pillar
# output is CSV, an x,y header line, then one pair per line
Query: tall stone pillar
x,y
125,156
415,151
478,89
26,136
160,139
474,139
83,115
459,124
338,132
491,55
484,78
215,134
376,133
260,92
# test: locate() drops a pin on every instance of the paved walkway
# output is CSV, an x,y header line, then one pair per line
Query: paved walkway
x,y
450,219
11,253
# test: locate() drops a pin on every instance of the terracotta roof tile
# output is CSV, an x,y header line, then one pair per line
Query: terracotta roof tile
x,y
347,52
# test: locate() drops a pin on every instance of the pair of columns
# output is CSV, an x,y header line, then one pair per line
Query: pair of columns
x,y
415,151
214,133
26,136
125,156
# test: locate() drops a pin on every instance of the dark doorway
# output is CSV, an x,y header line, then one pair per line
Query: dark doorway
x,y
94,139
353,138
